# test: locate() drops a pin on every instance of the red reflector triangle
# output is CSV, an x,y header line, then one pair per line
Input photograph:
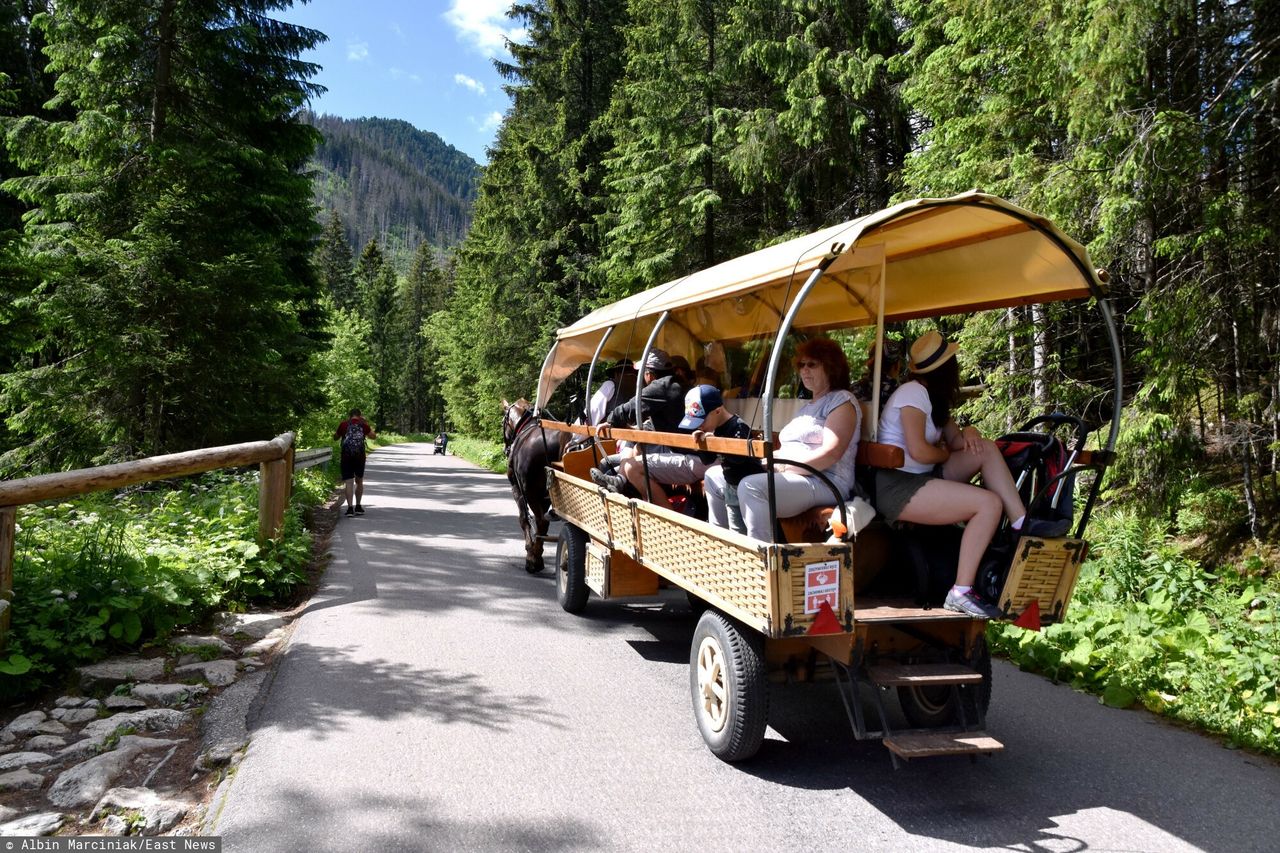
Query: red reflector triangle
x,y
825,622
1030,618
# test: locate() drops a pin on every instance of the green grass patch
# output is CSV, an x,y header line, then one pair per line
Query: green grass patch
x,y
480,451
1149,625
107,573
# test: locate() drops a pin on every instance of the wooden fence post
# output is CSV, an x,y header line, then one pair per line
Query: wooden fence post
x,y
8,528
274,480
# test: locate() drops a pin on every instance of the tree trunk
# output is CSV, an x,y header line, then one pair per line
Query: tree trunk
x,y
1039,359
167,30
1011,323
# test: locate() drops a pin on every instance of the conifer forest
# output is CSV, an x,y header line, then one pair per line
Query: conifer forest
x,y
182,263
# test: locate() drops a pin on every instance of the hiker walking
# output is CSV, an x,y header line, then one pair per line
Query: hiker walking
x,y
352,433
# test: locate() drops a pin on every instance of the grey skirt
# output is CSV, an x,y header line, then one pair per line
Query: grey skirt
x,y
895,488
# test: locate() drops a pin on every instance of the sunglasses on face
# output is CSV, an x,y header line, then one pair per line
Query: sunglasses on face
x,y
806,363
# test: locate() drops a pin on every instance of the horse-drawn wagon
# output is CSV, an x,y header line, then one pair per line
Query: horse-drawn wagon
x,y
804,605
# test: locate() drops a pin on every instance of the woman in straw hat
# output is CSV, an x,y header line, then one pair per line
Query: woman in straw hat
x,y
932,486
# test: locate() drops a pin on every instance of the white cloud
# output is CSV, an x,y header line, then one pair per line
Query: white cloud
x,y
485,24
469,82
395,28
401,74
488,123
358,51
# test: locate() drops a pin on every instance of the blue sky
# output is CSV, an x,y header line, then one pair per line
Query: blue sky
x,y
429,62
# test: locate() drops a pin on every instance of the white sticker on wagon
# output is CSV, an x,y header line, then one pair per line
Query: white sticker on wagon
x,y
821,584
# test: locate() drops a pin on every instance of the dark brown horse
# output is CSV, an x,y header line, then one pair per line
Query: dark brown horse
x,y
530,449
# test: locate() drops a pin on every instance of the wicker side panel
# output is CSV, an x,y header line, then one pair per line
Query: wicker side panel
x,y
597,568
621,523
1044,571
716,565
579,503
794,563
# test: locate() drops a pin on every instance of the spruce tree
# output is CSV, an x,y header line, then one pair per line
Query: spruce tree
x,y
422,294
368,268
335,266
173,226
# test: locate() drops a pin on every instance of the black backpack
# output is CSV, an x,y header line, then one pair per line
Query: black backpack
x,y
353,441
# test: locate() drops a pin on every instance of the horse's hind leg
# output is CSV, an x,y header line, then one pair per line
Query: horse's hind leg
x,y
530,540
538,527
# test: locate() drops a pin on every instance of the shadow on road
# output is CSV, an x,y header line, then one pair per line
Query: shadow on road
x,y
359,689
388,823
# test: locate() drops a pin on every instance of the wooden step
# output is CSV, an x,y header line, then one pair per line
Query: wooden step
x,y
922,674
924,744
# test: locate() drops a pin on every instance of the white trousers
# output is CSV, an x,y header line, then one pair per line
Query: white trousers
x,y
794,493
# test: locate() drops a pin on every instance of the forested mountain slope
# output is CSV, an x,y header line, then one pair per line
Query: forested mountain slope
x,y
391,182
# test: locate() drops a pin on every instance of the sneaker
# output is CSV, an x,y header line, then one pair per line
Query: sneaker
x,y
350,512
612,482
359,510
1046,528
970,604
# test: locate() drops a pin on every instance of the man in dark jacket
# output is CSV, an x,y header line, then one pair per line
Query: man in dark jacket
x,y
661,408
661,399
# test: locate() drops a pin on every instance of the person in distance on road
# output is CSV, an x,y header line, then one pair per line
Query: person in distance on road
x,y
352,433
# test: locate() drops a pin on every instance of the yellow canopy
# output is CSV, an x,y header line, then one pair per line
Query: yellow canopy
x,y
937,256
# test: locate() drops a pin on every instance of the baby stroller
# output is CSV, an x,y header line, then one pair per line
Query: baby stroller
x,y
442,444
1041,464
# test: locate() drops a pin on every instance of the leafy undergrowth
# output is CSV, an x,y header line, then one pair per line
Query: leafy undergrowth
x,y
107,573
479,451
1150,625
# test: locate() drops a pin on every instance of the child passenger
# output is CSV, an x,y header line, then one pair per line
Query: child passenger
x,y
704,411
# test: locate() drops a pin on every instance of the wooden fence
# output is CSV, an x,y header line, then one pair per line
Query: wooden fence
x,y
275,458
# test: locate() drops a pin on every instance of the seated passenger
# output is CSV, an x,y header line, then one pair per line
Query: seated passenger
x,y
823,434
662,407
932,486
613,392
704,410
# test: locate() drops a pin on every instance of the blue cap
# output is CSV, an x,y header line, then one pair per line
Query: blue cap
x,y
700,400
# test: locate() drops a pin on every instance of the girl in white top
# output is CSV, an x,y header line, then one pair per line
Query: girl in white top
x,y
823,434
932,486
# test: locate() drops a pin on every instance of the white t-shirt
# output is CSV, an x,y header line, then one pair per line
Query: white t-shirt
x,y
916,396
599,400
805,430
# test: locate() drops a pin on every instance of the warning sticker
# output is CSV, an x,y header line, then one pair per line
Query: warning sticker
x,y
821,583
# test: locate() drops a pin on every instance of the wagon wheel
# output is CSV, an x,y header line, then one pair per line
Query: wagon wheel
x,y
931,707
927,707
729,691
571,569
977,697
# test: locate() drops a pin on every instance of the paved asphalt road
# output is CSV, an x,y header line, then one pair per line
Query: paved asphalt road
x,y
435,697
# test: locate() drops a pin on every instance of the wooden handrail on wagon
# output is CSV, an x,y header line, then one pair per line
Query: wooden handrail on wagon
x,y
276,458
870,453
708,443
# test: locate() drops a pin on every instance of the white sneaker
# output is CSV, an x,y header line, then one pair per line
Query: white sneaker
x,y
970,604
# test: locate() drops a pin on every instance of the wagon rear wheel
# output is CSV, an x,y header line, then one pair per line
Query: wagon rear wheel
x,y
930,707
729,691
571,569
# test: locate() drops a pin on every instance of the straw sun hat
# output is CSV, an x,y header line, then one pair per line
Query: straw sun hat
x,y
930,351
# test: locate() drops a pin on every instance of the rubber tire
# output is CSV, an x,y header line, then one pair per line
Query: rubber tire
x,y
928,707
978,695
931,707
571,569
744,713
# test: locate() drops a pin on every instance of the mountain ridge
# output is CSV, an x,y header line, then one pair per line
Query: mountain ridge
x,y
391,181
